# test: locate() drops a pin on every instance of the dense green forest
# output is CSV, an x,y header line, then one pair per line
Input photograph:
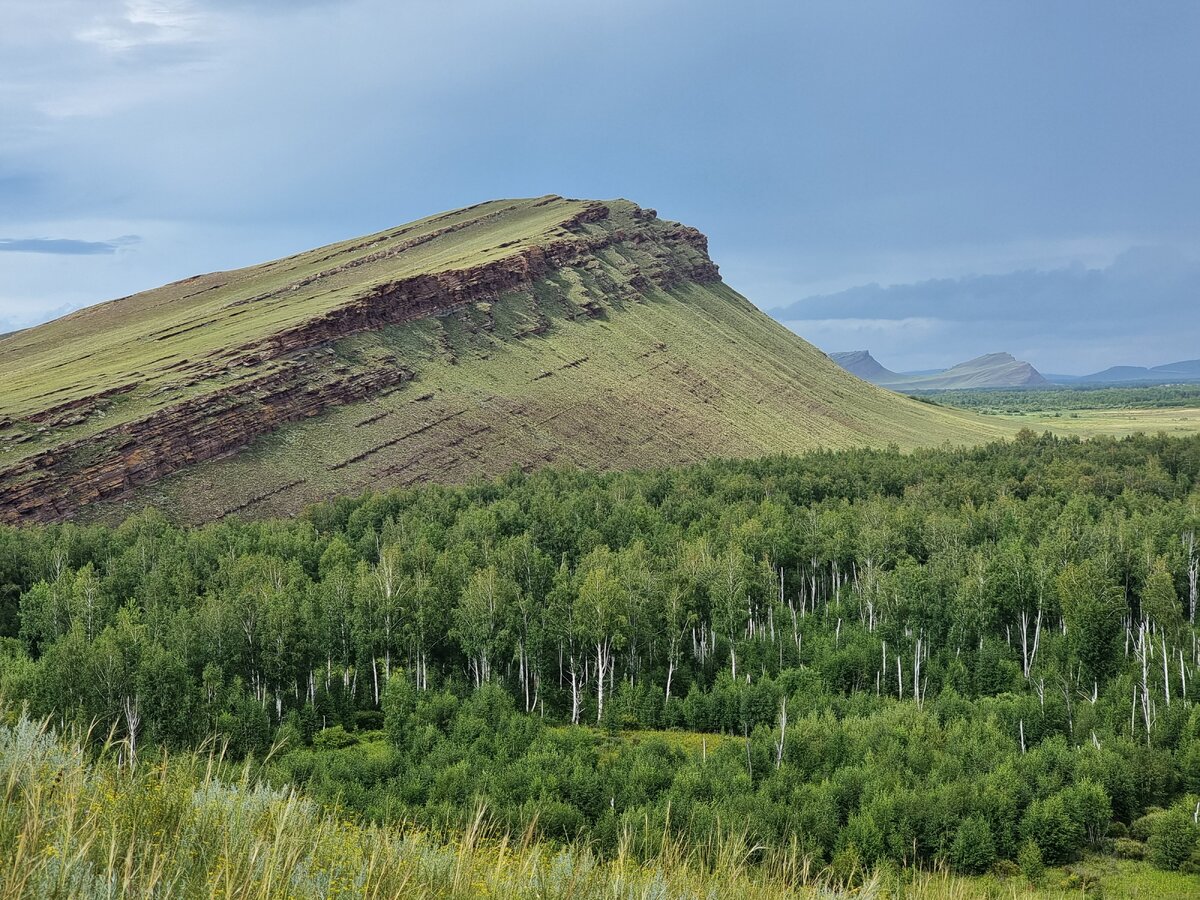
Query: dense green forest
x,y
1063,398
980,657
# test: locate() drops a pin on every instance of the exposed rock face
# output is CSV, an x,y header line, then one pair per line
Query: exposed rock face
x,y
52,485
291,373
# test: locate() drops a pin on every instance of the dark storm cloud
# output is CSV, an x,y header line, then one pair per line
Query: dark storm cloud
x,y
1141,309
819,145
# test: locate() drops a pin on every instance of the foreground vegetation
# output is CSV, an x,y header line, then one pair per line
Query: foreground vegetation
x,y
76,823
980,661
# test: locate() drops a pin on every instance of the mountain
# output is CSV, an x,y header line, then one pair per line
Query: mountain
x,y
513,333
864,365
991,370
988,371
1186,370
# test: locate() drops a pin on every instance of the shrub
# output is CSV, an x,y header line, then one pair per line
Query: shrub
x,y
1173,839
1030,860
973,851
1128,849
335,738
1005,868
1141,827
1049,824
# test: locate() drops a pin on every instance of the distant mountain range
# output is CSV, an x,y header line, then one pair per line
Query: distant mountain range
x,y
1186,370
993,370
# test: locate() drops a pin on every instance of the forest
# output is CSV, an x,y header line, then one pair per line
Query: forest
x,y
983,659
1067,397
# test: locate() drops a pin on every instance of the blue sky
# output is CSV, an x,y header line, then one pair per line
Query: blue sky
x,y
1012,176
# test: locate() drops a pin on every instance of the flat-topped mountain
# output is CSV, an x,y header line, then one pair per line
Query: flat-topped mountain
x,y
511,333
864,365
992,370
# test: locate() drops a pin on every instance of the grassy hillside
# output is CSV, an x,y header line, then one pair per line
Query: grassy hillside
x,y
508,334
693,373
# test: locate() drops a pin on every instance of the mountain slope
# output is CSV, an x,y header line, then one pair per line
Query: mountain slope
x,y
862,364
512,333
988,371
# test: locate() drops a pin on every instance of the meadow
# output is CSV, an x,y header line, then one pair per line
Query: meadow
x,y
1083,411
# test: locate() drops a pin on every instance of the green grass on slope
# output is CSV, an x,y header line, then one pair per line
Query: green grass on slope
x,y
146,337
193,827
691,373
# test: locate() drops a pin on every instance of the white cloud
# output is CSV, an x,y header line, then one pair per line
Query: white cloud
x,y
145,22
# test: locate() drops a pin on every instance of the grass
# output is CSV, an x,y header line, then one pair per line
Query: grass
x,y
1116,422
1083,411
76,822
689,374
144,338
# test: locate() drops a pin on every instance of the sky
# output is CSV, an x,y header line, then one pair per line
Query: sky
x,y
927,180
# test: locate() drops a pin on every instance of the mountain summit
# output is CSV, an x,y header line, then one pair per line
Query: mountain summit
x,y
864,365
511,333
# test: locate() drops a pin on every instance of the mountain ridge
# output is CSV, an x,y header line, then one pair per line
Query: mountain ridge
x,y
1182,370
989,370
507,333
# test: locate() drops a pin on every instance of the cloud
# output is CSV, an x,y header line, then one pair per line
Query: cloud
x,y
143,23
67,246
1137,310
227,132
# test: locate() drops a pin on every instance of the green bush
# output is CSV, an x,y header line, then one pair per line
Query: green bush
x,y
1049,824
1173,839
1142,827
1005,868
1129,849
334,738
1029,858
974,850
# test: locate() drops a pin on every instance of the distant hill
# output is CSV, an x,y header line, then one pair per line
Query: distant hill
x,y
992,370
989,371
514,333
1186,370
864,365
